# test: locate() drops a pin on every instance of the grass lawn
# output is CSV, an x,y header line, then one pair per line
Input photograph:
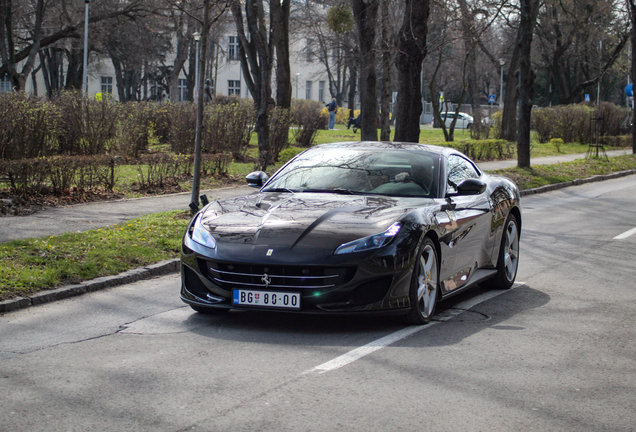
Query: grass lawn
x,y
31,265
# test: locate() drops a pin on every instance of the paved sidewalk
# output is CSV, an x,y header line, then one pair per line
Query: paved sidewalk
x,y
84,217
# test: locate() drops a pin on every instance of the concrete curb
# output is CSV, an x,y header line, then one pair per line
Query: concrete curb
x,y
172,265
593,179
134,275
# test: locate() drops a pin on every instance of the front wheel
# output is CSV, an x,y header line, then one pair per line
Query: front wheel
x,y
508,260
424,291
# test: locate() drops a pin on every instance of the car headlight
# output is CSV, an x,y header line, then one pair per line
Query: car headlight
x,y
372,242
201,235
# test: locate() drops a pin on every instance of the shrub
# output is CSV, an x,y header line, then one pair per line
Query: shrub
x,y
135,128
59,173
93,122
228,128
280,120
182,128
308,118
287,154
557,143
486,149
542,123
28,126
160,169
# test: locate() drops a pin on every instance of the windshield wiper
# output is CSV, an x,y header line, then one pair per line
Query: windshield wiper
x,y
278,190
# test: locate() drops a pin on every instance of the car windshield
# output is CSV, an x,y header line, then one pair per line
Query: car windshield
x,y
361,171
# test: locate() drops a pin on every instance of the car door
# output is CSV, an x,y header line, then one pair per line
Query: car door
x,y
467,241
449,119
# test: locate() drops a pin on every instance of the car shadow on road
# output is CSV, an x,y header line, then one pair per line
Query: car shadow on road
x,y
317,330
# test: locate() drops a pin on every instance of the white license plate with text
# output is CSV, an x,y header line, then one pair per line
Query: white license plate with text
x,y
266,299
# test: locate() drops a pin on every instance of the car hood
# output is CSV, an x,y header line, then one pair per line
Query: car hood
x,y
317,220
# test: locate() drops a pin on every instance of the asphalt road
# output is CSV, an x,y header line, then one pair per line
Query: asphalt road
x,y
555,353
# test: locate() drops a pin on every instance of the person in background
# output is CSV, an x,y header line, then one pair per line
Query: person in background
x,y
332,107
207,91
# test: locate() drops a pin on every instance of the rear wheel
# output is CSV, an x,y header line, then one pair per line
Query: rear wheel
x,y
508,260
424,291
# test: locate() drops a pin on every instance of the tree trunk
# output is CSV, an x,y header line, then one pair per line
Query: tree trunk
x,y
279,11
385,81
411,50
509,114
632,15
365,13
526,81
183,43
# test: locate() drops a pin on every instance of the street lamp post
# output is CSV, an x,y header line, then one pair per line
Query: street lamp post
x,y
85,77
197,38
297,85
501,63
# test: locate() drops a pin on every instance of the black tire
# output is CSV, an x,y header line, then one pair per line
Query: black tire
x,y
470,125
508,260
424,292
209,310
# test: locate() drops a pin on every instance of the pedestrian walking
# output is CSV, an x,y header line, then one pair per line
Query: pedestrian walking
x,y
332,107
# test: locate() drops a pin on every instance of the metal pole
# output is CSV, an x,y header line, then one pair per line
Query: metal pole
x,y
85,78
502,63
297,85
196,74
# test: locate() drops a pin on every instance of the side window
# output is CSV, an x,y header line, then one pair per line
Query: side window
x,y
459,169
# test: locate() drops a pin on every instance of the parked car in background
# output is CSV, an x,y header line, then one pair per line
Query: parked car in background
x,y
464,121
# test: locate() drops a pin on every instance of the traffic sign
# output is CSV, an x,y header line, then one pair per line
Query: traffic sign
x,y
492,99
587,98
629,90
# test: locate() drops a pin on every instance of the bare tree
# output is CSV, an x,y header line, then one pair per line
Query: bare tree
x,y
256,57
365,13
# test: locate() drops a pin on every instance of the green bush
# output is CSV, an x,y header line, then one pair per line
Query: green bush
x,y
557,143
287,154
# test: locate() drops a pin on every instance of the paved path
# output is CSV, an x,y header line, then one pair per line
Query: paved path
x,y
84,217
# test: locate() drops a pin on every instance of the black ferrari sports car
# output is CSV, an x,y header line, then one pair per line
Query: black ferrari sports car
x,y
355,227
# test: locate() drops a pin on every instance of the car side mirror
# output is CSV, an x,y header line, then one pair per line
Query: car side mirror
x,y
471,187
256,179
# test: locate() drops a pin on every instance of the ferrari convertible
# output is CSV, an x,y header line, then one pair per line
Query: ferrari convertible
x,y
355,227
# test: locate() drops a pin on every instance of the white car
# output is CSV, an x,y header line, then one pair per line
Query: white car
x,y
464,121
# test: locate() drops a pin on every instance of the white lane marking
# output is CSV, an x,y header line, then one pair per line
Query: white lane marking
x,y
625,234
376,345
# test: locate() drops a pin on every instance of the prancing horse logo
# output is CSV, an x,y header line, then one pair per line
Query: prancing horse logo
x,y
266,280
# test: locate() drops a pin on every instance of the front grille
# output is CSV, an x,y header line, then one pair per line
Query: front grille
x,y
232,275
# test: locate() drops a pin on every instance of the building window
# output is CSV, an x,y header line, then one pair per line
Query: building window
x,y
232,48
107,85
182,89
233,88
321,91
309,51
308,85
5,84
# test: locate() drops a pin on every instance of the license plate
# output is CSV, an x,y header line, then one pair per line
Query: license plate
x,y
266,299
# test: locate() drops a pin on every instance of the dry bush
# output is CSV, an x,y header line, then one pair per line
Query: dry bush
x,y
28,126
309,118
